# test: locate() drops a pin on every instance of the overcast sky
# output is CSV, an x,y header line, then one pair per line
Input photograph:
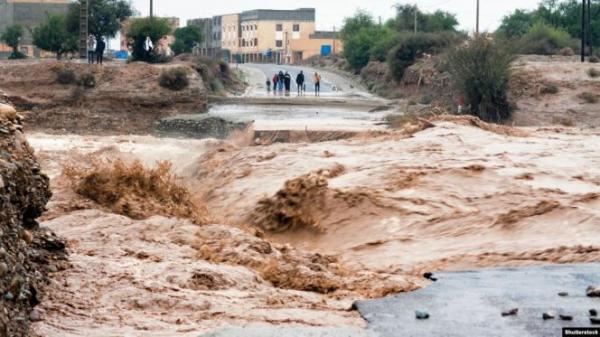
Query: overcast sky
x,y
332,12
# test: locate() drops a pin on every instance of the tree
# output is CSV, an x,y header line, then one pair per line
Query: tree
x,y
12,37
52,35
155,28
357,22
426,22
186,38
516,24
105,17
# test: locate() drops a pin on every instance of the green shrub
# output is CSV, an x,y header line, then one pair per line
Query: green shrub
x,y
17,56
174,79
87,80
381,48
589,97
593,72
412,46
481,71
66,76
543,39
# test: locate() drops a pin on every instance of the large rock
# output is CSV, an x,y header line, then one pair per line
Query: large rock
x,y
25,255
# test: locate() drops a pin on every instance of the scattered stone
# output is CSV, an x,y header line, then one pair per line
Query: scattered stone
x,y
430,277
593,312
9,296
563,294
511,312
595,320
548,315
27,236
593,291
3,269
35,316
566,317
422,314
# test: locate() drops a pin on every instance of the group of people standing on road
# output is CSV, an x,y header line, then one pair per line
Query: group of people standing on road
x,y
283,81
96,50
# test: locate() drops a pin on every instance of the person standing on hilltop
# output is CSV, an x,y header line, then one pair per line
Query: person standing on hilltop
x,y
317,82
100,47
91,46
300,82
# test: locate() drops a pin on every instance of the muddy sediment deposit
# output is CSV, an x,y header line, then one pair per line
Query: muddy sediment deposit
x,y
27,253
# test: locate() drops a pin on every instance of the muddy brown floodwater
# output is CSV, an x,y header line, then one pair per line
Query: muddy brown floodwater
x,y
335,214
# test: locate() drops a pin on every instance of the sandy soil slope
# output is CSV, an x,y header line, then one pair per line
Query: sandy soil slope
x,y
537,105
456,195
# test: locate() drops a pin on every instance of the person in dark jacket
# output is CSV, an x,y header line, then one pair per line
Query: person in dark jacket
x,y
275,82
287,80
100,47
280,80
268,83
300,82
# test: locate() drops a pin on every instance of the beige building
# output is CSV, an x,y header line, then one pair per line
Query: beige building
x,y
264,35
29,14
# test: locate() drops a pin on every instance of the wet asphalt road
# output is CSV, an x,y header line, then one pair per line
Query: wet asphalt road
x,y
471,303
468,304
269,70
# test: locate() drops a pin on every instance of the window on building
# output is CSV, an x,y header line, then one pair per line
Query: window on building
x,y
296,28
278,43
255,42
279,27
255,27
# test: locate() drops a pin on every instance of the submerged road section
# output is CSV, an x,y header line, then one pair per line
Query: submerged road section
x,y
471,303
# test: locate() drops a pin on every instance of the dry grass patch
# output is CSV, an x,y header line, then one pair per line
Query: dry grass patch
x,y
135,190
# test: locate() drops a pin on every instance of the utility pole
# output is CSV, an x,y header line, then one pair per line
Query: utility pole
x,y
583,27
334,37
477,22
151,9
416,18
83,29
589,27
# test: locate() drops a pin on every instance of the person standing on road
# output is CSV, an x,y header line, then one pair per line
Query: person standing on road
x,y
275,82
287,81
317,82
100,46
300,82
91,46
268,83
280,79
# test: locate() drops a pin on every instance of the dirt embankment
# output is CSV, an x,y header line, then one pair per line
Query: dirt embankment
x,y
124,98
556,90
27,254
545,90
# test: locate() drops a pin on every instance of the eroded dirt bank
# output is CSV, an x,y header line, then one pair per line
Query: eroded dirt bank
x,y
27,253
116,98
312,227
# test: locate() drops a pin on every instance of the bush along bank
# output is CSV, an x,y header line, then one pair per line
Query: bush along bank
x,y
27,253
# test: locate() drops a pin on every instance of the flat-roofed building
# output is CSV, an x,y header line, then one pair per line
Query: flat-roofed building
x,y
266,34
29,14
